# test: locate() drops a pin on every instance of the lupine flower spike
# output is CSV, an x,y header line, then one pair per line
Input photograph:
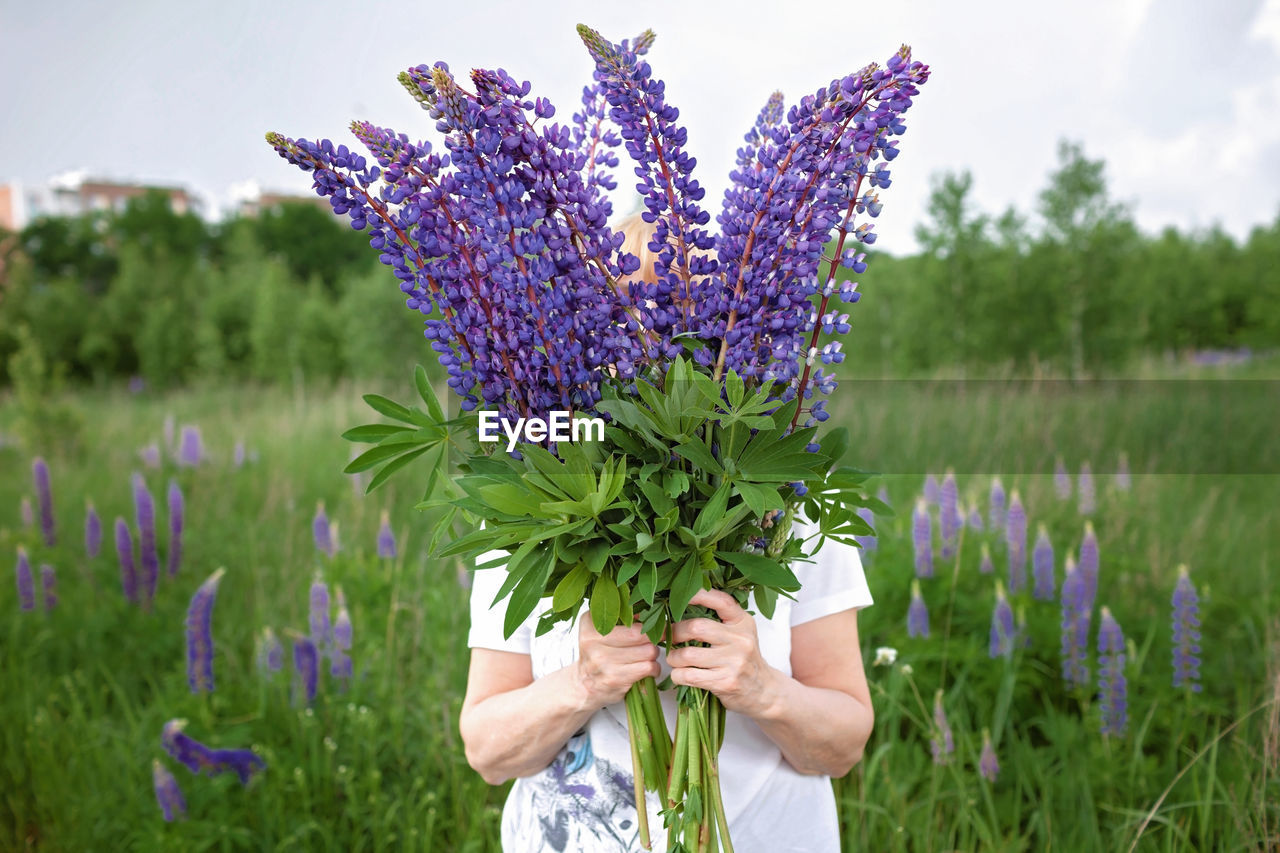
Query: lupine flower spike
x,y
144,508
386,538
177,514
306,666
1076,616
1061,480
922,539
1002,631
92,532
975,514
200,634
200,758
318,621
168,794
932,491
320,531
985,566
996,505
1087,498
988,765
1042,565
44,497
949,520
26,584
867,543
340,662
943,743
1112,685
128,569
1123,480
917,613
191,447
1186,633
1016,540
270,653
1089,562
49,586
150,455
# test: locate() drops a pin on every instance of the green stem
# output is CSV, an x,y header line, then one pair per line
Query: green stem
x,y
635,724
679,759
717,799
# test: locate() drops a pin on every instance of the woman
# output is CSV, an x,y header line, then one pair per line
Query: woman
x,y
548,711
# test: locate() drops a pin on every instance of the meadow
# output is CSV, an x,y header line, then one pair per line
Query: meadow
x,y
375,762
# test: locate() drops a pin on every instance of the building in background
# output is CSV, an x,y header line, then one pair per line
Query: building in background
x,y
249,199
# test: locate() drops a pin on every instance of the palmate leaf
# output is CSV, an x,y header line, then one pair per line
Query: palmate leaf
x,y
525,596
393,466
428,394
761,570
685,586
373,433
392,409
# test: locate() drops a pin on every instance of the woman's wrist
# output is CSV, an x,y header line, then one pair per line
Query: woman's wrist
x,y
774,698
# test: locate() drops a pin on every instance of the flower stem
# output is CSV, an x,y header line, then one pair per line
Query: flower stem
x,y
635,722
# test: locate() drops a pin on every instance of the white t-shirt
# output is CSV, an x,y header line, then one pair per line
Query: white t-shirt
x,y
584,801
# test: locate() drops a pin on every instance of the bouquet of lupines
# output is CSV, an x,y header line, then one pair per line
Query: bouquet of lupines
x,y
706,381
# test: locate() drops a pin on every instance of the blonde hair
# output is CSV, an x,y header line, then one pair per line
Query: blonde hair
x,y
637,234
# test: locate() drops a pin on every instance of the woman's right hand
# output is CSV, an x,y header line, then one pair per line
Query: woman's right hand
x,y
608,665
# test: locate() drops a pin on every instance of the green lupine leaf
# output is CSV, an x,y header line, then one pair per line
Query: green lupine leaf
x,y
428,394
685,586
568,593
761,570
713,511
524,598
647,582
393,466
390,408
604,604
373,433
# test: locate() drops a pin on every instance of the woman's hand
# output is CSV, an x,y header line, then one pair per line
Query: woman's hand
x,y
608,665
733,667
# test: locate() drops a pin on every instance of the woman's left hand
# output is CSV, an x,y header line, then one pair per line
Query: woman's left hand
x,y
732,667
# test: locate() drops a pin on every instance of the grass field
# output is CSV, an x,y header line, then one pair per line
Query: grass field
x,y
377,765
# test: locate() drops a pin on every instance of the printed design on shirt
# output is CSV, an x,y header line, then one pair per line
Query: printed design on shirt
x,y
579,803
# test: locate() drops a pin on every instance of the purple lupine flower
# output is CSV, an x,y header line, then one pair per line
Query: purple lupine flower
x,y
932,491
1087,501
1016,540
238,454
1002,635
49,586
321,631
168,794
190,447
340,666
200,634
270,653
128,570
198,758
922,539
1042,565
942,744
26,584
177,515
320,531
137,384
996,505
867,543
917,613
306,667
1089,564
1186,633
1061,480
150,455
27,514
1076,616
975,516
1123,480
985,566
949,519
1112,685
92,532
44,497
144,507
988,764
882,495
386,538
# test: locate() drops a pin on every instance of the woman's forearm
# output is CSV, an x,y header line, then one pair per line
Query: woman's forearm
x,y
519,732
819,730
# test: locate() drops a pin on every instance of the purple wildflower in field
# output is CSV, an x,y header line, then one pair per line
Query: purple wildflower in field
x,y
190,447
1061,480
1076,616
150,455
1186,633
320,531
340,661
128,570
1000,643
238,455
318,620
1123,480
996,505
917,613
1042,565
988,764
867,543
975,516
270,653
198,758
49,586
949,519
200,634
942,744
168,794
1112,685
922,539
882,495
386,538
177,515
26,585
92,531
1016,541
144,507
27,514
985,565
44,498
1089,564
306,667
932,491
137,384
1087,496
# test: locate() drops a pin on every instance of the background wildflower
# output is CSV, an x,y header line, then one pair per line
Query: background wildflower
x,y
386,538
1042,565
988,765
168,794
128,570
917,613
1112,685
200,634
26,584
1000,643
942,743
1016,541
1186,633
922,539
44,498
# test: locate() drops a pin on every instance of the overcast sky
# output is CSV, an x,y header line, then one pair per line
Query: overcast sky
x,y
1180,97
